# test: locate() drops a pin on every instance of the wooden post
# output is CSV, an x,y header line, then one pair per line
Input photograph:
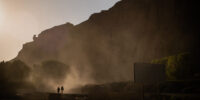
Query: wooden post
x,y
158,90
142,91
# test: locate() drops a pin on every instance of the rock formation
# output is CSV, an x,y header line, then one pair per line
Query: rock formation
x,y
105,46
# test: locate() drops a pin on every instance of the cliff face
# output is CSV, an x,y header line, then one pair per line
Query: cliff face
x,y
46,46
105,46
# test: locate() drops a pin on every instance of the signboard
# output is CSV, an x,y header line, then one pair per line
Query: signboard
x,y
145,73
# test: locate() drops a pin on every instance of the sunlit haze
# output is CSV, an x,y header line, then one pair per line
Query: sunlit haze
x,y
21,19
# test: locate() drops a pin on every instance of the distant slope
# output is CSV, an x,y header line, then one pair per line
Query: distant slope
x,y
105,46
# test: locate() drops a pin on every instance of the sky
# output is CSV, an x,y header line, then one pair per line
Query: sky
x,y
21,19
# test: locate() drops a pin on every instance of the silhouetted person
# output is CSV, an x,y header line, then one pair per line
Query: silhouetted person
x,y
62,89
58,90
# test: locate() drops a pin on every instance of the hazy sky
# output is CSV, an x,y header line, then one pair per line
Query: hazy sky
x,y
21,19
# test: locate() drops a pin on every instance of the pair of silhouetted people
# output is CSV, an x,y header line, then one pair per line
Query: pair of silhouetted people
x,y
60,89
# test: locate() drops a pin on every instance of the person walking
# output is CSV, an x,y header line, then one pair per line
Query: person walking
x,y
62,89
58,90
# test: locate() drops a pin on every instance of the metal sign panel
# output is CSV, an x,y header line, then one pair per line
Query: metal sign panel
x,y
149,73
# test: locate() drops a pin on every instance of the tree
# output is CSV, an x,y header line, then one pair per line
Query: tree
x,y
180,66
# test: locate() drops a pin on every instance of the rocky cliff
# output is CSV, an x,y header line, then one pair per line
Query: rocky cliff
x,y
104,47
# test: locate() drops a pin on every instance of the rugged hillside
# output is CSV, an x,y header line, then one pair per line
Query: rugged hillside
x,y
104,47
45,46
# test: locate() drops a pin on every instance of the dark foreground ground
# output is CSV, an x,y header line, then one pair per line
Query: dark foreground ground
x,y
169,90
111,96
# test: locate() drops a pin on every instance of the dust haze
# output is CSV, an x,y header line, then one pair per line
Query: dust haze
x,y
104,48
